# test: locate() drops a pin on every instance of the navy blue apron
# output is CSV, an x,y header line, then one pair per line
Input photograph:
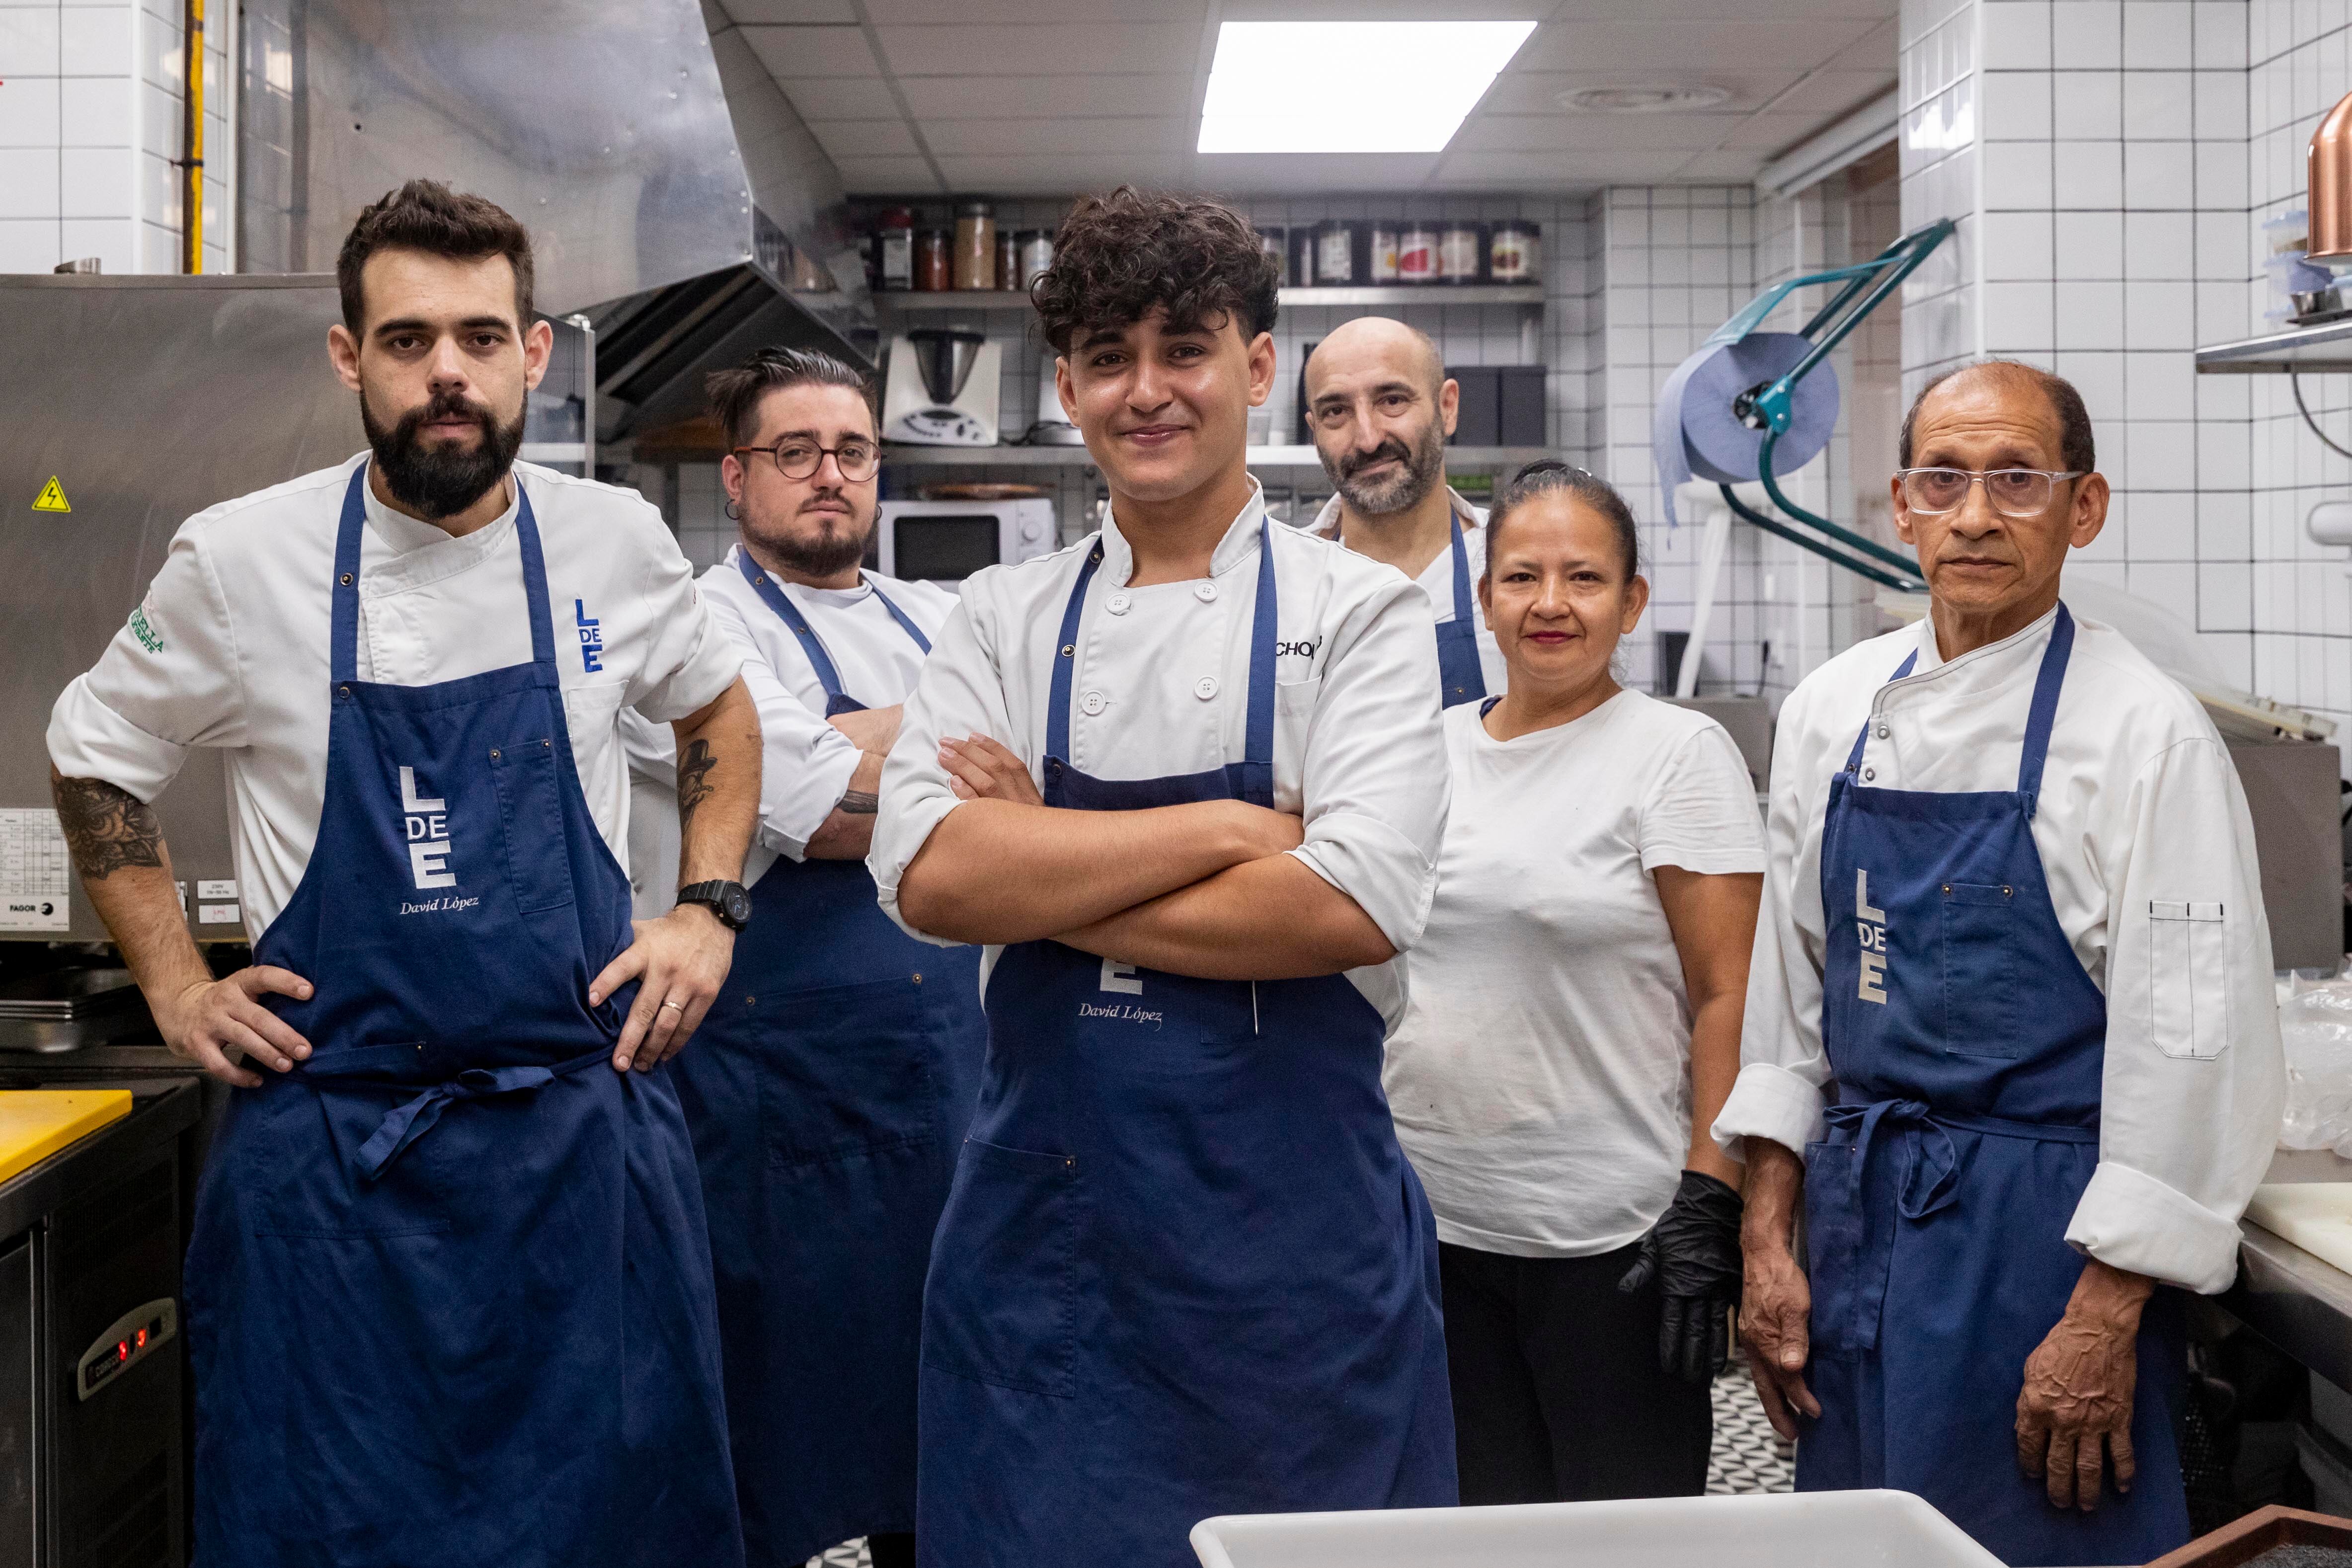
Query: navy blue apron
x,y
1459,677
827,1091
1968,1045
448,1294
1185,1270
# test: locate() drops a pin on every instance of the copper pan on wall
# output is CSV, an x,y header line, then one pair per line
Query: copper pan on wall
x,y
2331,183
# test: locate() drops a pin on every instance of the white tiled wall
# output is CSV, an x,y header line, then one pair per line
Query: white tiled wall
x,y
2110,164
91,128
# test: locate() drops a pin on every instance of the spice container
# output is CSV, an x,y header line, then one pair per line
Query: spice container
x,y
934,267
1036,251
1008,259
1335,253
893,234
1417,253
1384,252
1276,242
1515,252
975,245
1459,251
1302,258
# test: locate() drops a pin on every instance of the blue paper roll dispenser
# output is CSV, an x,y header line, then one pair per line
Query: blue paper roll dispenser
x,y
1752,405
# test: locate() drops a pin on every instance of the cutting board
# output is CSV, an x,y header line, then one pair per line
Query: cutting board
x,y
2315,1216
35,1123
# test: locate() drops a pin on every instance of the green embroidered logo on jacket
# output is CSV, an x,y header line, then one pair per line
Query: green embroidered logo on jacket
x,y
148,637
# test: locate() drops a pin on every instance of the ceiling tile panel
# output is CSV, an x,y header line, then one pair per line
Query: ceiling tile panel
x,y
1681,49
790,11
1539,92
1043,138
942,13
866,139
885,176
1040,97
821,97
1585,132
813,51
1074,49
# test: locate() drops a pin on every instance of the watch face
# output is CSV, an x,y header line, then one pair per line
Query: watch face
x,y
737,905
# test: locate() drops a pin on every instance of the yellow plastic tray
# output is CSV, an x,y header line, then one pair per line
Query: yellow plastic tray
x,y
35,1123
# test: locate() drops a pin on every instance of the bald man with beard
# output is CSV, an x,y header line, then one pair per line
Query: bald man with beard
x,y
1380,407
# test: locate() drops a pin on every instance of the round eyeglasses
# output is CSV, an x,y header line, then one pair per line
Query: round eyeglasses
x,y
2013,492
798,457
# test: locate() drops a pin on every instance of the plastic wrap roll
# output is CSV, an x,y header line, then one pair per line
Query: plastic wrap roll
x,y
1695,433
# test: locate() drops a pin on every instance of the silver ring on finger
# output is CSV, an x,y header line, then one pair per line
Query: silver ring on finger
x,y
679,1005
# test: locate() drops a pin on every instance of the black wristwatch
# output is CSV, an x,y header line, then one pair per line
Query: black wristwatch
x,y
728,900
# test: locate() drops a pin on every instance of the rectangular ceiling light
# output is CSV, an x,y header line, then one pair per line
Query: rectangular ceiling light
x,y
1350,87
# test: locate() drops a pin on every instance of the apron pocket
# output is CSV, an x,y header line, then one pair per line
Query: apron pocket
x,y
999,1307
530,816
848,1072
1981,970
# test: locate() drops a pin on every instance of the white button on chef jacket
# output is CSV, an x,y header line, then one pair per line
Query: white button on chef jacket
x,y
240,612
2140,814
1372,784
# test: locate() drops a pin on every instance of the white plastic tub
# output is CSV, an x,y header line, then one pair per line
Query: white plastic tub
x,y
1811,1529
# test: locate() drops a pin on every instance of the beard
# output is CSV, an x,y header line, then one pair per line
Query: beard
x,y
438,482
1418,470
833,549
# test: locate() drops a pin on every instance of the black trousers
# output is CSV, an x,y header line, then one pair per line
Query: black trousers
x,y
1558,1393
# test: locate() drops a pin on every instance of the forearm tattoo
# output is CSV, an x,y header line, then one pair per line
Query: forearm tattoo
x,y
107,828
694,770
860,803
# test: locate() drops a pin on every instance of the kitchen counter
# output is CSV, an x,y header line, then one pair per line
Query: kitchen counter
x,y
2298,1303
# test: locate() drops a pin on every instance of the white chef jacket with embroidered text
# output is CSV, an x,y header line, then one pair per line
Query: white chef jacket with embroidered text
x,y
2140,814
240,614
804,763
1160,687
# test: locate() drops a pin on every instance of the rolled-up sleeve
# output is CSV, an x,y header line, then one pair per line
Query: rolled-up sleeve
x,y
1782,1067
1375,784
690,658
804,762
167,683
959,694
2194,1077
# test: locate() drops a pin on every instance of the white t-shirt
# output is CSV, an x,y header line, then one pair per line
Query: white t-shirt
x,y
1541,1081
237,653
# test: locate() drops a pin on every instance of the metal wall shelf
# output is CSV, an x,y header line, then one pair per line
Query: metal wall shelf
x,y
2325,347
1416,294
1462,458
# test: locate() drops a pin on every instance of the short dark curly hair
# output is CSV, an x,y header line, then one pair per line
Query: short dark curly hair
x,y
427,216
1118,257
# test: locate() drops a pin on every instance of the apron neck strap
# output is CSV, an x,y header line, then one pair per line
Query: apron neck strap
x,y
772,593
906,622
1462,602
344,628
1066,657
1854,758
2046,682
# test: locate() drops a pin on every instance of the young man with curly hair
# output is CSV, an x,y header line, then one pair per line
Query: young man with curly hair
x,y
1186,780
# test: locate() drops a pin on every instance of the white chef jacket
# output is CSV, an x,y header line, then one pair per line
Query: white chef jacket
x,y
805,762
1160,687
2140,820
237,651
1436,579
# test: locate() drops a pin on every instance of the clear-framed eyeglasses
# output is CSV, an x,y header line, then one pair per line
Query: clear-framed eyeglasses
x,y
2013,492
798,457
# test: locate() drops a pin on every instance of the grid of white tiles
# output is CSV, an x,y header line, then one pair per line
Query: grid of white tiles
x,y
91,112
1939,88
2254,558
2129,153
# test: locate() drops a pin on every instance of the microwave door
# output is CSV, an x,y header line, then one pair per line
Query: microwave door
x,y
944,547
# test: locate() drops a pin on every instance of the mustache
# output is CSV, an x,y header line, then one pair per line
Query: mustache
x,y
1389,451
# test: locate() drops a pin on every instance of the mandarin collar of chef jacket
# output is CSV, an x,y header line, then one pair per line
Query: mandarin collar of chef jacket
x,y
1239,543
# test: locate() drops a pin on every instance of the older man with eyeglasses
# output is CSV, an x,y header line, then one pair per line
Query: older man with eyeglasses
x,y
2009,1036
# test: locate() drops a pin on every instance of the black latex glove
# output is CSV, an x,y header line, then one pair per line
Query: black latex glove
x,y
1694,1253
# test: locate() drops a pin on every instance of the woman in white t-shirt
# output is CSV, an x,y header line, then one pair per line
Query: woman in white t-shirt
x,y
1574,1027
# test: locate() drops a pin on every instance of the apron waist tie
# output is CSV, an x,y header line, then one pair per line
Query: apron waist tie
x,y
1930,1182
412,1119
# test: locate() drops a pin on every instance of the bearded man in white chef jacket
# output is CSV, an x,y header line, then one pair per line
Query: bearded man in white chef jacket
x,y
449,1294
2009,1036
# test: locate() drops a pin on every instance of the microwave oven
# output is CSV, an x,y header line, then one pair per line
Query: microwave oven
x,y
945,541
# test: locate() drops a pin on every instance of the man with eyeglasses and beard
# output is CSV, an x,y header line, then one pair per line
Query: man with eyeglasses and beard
x,y
1381,406
449,1292
829,1089
2009,1036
